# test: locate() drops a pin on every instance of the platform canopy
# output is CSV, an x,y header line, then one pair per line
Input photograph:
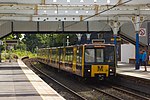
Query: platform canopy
x,y
71,10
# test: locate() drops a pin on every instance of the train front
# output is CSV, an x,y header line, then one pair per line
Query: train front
x,y
99,61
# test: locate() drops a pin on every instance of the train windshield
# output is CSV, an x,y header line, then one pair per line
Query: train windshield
x,y
89,55
109,54
99,54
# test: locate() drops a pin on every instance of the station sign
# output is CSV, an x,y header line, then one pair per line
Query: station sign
x,y
13,42
118,39
98,41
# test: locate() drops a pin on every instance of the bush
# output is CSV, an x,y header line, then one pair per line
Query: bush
x,y
17,53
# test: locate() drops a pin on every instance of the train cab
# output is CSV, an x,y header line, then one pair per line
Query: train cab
x,y
99,60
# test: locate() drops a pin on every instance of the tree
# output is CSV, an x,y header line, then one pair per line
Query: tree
x,y
31,42
47,40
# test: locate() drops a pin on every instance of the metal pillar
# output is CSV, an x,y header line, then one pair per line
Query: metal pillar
x,y
115,40
1,43
0,54
137,28
79,38
115,26
67,40
137,52
88,38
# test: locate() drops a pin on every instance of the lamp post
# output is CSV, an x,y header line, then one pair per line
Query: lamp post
x,y
1,43
67,40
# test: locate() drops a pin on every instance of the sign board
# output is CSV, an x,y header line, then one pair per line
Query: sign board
x,y
11,41
142,32
118,39
100,41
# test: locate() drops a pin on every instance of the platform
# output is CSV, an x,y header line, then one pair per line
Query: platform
x,y
129,69
18,82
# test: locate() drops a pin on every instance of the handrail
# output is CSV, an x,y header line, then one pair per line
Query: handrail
x,y
130,39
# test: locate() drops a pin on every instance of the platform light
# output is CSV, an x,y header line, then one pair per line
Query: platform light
x,y
77,12
108,1
66,11
87,11
54,0
68,0
95,0
55,11
44,11
81,1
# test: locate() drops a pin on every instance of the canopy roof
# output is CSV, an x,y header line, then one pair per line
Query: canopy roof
x,y
71,10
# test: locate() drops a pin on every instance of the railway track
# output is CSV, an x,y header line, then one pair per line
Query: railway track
x,y
86,92
131,93
82,92
119,93
78,96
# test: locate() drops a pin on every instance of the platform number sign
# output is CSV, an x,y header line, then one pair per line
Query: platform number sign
x,y
142,32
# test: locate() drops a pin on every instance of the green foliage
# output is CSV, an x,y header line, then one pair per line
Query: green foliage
x,y
31,42
23,53
18,53
5,56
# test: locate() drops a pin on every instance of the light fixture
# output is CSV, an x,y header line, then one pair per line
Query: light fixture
x,y
77,12
68,0
66,11
55,11
81,1
54,0
44,11
95,0
108,1
87,11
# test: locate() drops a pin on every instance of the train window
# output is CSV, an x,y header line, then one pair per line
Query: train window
x,y
79,55
66,56
99,55
69,55
61,54
89,55
53,54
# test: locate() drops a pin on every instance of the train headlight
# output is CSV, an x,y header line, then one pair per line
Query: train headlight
x,y
89,70
110,70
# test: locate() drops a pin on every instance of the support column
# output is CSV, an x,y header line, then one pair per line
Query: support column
x,y
0,54
115,31
68,40
1,43
137,28
79,38
115,24
115,28
88,38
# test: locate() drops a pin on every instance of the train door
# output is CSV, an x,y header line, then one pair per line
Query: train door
x,y
74,59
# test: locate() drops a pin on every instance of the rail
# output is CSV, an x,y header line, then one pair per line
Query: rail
x,y
59,83
130,39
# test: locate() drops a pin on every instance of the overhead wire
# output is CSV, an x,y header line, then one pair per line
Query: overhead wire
x,y
116,5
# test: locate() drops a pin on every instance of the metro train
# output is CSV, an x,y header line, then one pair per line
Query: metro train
x,y
87,60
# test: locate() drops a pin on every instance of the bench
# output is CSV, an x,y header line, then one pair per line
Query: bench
x,y
132,60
